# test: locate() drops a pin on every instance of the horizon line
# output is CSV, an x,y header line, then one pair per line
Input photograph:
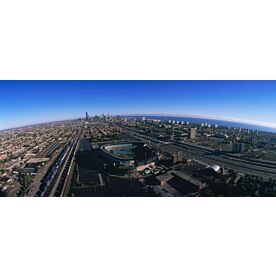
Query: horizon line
x,y
209,117
197,116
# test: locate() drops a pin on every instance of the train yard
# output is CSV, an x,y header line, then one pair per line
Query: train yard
x,y
55,181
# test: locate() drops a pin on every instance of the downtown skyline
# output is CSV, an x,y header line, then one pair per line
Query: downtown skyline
x,y
33,102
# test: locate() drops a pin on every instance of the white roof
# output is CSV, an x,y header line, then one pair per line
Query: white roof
x,y
214,167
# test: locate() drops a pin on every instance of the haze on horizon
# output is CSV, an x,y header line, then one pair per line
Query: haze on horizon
x,y
31,102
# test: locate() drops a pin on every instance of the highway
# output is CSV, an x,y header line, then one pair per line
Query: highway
x,y
237,165
204,150
210,156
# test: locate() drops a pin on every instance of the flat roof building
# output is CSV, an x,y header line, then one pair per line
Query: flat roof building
x,y
192,133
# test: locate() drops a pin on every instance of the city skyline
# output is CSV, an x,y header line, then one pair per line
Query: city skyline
x,y
33,102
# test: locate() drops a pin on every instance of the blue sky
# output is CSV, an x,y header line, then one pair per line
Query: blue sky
x,y
29,102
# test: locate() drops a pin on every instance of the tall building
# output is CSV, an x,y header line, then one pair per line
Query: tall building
x,y
177,157
86,116
193,133
238,147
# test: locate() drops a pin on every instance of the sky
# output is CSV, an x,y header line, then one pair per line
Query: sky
x,y
30,102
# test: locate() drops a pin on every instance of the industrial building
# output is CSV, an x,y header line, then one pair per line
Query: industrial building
x,y
212,170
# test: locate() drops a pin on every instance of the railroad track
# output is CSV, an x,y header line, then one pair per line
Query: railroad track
x,y
62,183
55,181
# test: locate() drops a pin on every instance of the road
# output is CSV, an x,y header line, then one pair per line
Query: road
x,y
209,156
236,165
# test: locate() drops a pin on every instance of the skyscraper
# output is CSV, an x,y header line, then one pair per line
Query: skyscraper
x,y
86,117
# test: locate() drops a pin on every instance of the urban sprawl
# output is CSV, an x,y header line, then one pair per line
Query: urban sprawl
x,y
112,156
